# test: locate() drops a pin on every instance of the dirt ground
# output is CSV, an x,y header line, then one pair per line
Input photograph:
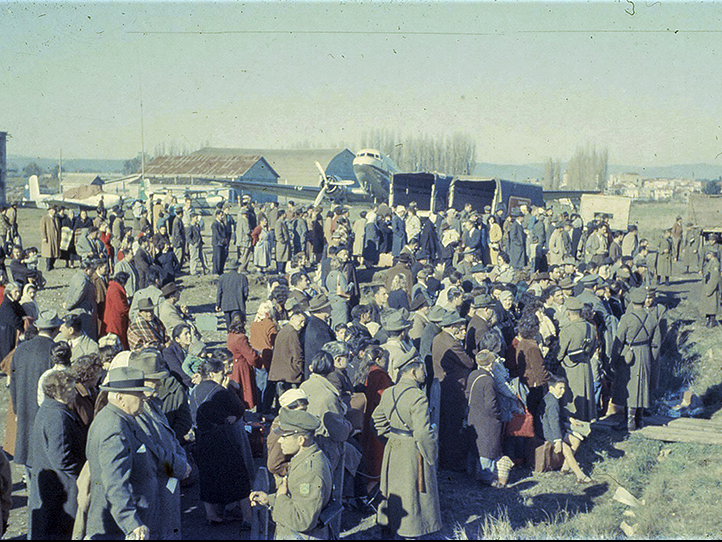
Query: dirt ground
x,y
535,498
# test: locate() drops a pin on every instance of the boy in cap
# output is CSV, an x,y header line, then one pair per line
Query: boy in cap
x,y
408,475
306,489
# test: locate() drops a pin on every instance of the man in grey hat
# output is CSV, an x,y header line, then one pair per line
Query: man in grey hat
x,y
409,482
165,420
232,293
435,316
125,482
452,366
482,320
306,489
81,295
30,360
396,324
317,331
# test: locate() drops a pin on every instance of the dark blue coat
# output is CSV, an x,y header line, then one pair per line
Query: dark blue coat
x,y
398,227
57,454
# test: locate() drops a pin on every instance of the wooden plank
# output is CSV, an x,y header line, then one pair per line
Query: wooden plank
x,y
697,422
670,434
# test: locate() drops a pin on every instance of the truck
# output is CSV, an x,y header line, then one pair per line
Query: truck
x,y
434,192
705,211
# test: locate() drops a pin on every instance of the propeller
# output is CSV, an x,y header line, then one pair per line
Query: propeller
x,y
323,183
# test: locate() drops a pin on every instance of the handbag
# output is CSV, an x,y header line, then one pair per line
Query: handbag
x,y
546,459
521,425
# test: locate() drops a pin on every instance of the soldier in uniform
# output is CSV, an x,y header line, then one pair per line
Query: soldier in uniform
x,y
691,248
306,489
577,342
665,257
632,357
409,484
658,319
709,299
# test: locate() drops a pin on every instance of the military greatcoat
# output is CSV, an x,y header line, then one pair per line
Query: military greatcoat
x,y
408,475
579,400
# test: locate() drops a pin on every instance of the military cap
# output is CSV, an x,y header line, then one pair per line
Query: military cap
x,y
297,421
478,268
404,257
125,380
397,321
437,313
483,301
146,304
452,319
319,303
541,276
637,296
291,396
408,358
590,281
574,304
148,361
419,302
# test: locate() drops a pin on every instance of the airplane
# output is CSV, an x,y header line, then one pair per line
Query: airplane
x,y
43,201
373,171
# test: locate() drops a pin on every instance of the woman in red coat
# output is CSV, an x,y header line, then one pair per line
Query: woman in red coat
x,y
115,316
245,361
372,373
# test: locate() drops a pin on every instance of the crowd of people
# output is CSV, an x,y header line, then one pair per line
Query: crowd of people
x,y
487,341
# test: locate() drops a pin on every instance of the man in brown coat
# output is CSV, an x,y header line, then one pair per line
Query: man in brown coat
x,y
50,233
452,366
482,320
287,362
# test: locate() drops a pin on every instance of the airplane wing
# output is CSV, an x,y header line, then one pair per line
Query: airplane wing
x,y
300,192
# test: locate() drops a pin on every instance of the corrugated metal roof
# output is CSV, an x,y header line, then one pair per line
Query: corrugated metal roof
x,y
297,166
219,167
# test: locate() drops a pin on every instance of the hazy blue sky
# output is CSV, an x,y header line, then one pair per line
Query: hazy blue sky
x,y
528,81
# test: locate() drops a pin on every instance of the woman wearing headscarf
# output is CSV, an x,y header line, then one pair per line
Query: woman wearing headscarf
x,y
27,301
262,337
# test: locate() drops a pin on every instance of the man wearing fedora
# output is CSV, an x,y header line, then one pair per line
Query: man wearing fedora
x,y
30,361
171,313
125,482
396,325
146,330
160,422
452,366
232,293
482,320
317,331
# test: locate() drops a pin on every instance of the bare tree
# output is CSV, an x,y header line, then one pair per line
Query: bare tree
x,y
588,168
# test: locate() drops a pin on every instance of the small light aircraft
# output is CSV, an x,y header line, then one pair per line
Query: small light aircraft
x,y
83,198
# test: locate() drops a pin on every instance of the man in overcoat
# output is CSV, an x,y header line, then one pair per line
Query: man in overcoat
x,y
517,241
232,293
287,364
710,293
452,366
632,357
317,332
81,295
50,233
124,485
409,485
30,361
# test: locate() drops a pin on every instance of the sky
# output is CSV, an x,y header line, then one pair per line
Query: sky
x,y
526,81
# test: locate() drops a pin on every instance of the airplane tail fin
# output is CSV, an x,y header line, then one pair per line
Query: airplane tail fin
x,y
34,188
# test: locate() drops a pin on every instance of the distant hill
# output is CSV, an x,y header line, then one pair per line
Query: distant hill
x,y
521,172
79,165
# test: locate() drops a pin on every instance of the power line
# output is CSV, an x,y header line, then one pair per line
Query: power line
x,y
417,33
